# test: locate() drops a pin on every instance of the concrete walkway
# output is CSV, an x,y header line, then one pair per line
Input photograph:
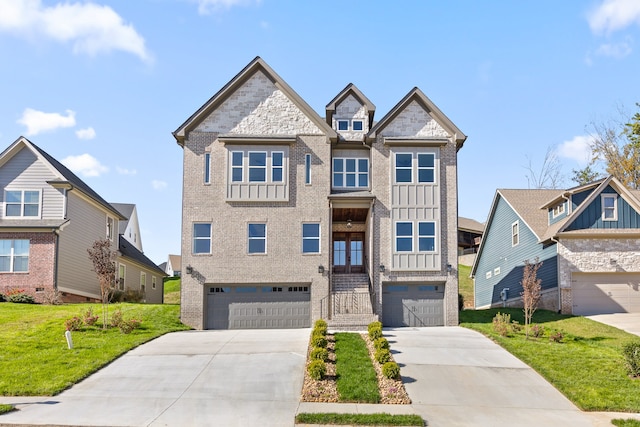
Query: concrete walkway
x,y
628,322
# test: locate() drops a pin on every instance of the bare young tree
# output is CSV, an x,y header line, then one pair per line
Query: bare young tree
x,y
550,174
103,259
530,291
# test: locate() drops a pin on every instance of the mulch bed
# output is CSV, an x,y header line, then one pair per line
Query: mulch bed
x,y
391,390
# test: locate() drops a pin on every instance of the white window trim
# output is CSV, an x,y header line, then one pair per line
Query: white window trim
x,y
435,236
12,257
245,167
395,168
122,277
22,216
344,172
496,271
357,120
615,206
487,275
419,168
194,238
249,238
110,230
312,238
558,210
207,168
338,121
515,224
143,281
395,237
272,168
267,160
241,166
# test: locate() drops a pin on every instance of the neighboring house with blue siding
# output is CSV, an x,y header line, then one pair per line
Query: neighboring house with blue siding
x,y
586,237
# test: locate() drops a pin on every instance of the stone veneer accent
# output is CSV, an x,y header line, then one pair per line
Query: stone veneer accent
x,y
593,255
349,109
416,122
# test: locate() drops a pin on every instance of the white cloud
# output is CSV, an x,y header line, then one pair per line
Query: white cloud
x,y
578,149
614,15
614,50
158,185
123,171
88,133
91,28
206,7
85,165
39,121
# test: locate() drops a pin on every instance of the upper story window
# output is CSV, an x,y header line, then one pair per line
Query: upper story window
x,y
404,167
143,281
311,238
515,233
277,165
558,210
350,125
22,203
357,125
257,239
121,276
426,236
201,238
609,207
404,237
258,173
258,166
14,256
350,172
110,228
207,168
307,168
343,124
237,169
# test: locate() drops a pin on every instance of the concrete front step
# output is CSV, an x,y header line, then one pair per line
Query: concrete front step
x,y
351,322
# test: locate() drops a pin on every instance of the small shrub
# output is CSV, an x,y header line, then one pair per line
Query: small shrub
x,y
631,353
51,296
382,356
381,343
391,370
319,353
131,295
320,323
557,336
21,298
516,326
73,324
127,326
318,341
320,329
537,331
116,296
375,330
89,318
116,318
501,323
317,369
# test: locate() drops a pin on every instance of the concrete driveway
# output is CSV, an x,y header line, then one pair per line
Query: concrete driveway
x,y
629,322
458,377
193,378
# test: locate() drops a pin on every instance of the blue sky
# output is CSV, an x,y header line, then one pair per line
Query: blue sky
x,y
101,85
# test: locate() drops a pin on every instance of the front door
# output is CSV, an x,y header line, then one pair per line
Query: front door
x,y
348,251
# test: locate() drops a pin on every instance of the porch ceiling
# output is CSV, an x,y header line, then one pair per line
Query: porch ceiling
x,y
353,214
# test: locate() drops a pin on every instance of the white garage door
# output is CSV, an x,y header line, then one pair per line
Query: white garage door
x,y
413,305
258,307
602,293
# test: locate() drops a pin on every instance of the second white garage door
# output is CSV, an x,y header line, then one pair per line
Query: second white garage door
x,y
602,293
258,307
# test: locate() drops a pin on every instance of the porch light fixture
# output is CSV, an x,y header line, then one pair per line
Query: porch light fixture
x,y
189,269
321,269
449,268
349,224
381,268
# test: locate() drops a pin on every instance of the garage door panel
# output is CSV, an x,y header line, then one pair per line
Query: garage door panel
x,y
238,307
413,305
605,293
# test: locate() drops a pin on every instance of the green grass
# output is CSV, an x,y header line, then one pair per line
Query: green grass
x,y
172,290
356,377
465,285
35,360
625,423
359,419
587,366
5,408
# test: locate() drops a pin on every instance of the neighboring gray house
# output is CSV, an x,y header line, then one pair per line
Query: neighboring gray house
x,y
289,217
129,228
173,266
49,218
587,238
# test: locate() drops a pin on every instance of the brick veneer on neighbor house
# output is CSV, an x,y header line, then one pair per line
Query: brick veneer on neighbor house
x,y
41,266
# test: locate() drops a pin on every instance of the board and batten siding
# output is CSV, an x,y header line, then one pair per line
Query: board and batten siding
x,y
591,217
499,256
24,171
87,223
415,202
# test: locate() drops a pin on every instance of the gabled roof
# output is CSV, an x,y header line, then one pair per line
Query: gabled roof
x,y
350,89
66,178
126,209
129,251
175,261
416,94
258,64
470,224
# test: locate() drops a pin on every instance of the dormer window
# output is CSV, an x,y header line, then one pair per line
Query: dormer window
x,y
357,125
609,207
558,210
351,125
343,124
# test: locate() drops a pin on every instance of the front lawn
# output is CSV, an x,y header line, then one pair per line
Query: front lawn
x,y
35,360
586,366
465,285
357,380
172,290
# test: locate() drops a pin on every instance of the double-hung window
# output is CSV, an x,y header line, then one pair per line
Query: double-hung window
x,y
257,238
426,167
350,173
404,236
515,233
311,238
22,203
426,236
277,166
143,281
609,207
237,159
14,255
404,167
201,238
257,167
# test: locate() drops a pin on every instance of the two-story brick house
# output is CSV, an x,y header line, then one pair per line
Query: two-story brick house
x,y
289,217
